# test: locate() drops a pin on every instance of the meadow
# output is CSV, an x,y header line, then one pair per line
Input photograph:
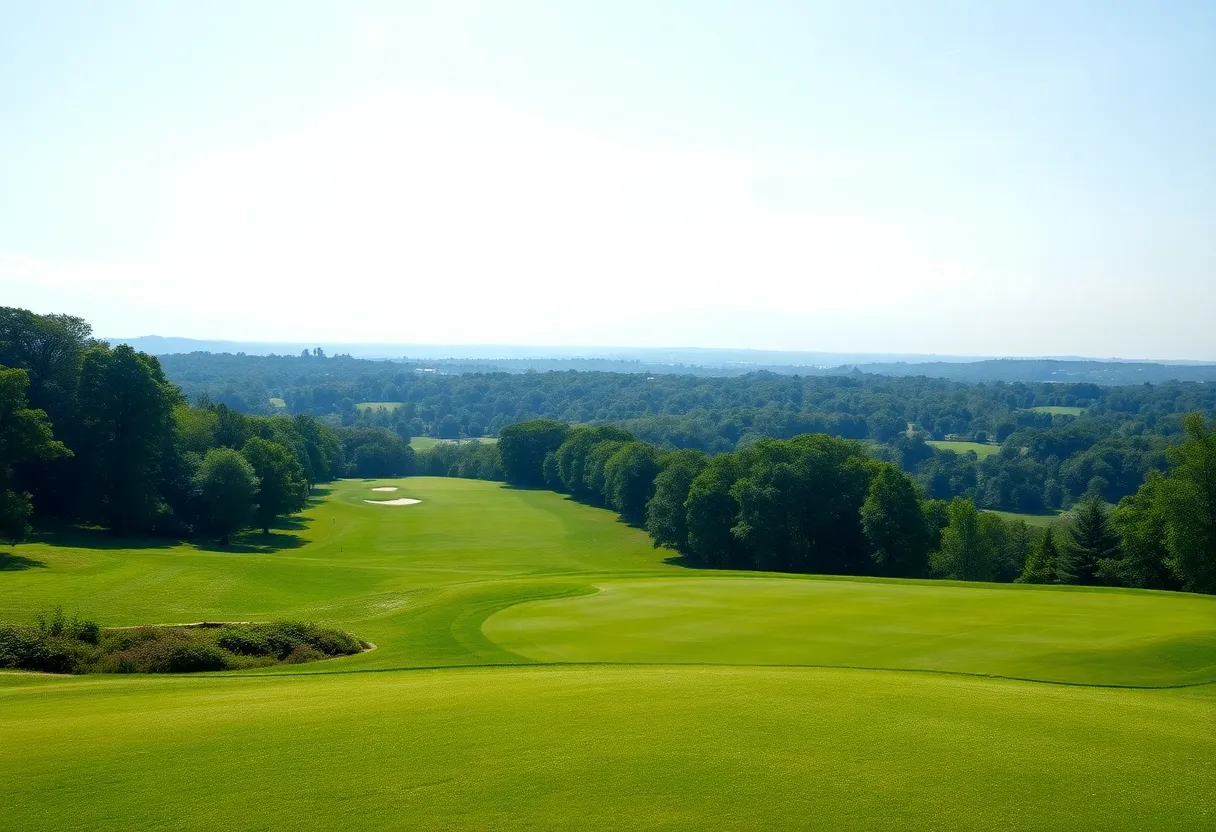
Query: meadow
x,y
981,449
538,665
1059,410
425,443
389,406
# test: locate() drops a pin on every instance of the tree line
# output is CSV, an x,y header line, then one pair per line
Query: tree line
x,y
821,504
91,434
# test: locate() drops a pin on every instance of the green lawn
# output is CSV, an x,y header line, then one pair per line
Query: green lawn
x,y
424,443
1059,410
277,402
623,693
389,406
981,450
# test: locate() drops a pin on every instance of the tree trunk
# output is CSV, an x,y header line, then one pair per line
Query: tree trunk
x,y
224,539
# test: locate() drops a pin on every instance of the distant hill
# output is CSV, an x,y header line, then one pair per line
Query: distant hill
x,y
465,358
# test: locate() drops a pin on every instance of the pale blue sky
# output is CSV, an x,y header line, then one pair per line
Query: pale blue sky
x,y
963,177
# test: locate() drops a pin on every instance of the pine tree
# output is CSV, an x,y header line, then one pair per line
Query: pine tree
x,y
1091,541
1041,565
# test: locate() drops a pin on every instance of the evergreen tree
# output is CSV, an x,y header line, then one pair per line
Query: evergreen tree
x,y
1041,565
1091,541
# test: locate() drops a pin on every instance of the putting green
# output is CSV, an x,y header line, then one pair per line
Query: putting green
x,y
1105,638
452,723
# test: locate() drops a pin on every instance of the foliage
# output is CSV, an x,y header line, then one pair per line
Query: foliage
x,y
894,525
228,489
281,485
1041,566
966,553
1091,542
1190,508
25,436
73,645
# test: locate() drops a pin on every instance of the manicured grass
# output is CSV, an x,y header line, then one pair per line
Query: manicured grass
x,y
390,406
981,450
404,737
591,748
425,443
1069,635
1059,410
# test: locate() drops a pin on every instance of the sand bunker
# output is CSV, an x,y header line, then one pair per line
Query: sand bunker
x,y
400,501
386,488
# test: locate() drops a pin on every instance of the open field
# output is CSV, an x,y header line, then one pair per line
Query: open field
x,y
1059,410
540,666
389,406
424,443
981,450
1041,520
277,402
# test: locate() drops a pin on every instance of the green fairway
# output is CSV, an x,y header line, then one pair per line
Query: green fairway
x,y
981,450
1059,410
538,665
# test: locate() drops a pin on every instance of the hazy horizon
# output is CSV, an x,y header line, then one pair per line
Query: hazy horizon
x,y
1011,179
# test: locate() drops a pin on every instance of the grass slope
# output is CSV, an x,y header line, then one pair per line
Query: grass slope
x,y
1067,635
373,742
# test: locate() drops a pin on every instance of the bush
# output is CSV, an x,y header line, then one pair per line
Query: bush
x,y
58,644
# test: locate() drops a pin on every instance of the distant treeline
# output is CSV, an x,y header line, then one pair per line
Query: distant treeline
x,y
1046,461
823,505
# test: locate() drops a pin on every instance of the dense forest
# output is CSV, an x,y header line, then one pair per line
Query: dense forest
x,y
833,475
823,505
1111,439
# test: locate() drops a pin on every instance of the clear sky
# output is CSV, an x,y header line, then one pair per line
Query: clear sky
x,y
991,178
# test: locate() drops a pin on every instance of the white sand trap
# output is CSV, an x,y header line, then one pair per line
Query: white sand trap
x,y
386,488
400,501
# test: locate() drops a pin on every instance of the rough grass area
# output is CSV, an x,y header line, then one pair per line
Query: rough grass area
x,y
389,406
59,644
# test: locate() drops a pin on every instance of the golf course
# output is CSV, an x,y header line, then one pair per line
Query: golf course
x,y
537,664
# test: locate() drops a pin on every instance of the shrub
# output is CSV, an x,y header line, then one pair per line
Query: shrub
x,y
59,644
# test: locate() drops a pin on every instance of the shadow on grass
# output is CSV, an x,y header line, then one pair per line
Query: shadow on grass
x,y
687,563
90,537
13,562
253,543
